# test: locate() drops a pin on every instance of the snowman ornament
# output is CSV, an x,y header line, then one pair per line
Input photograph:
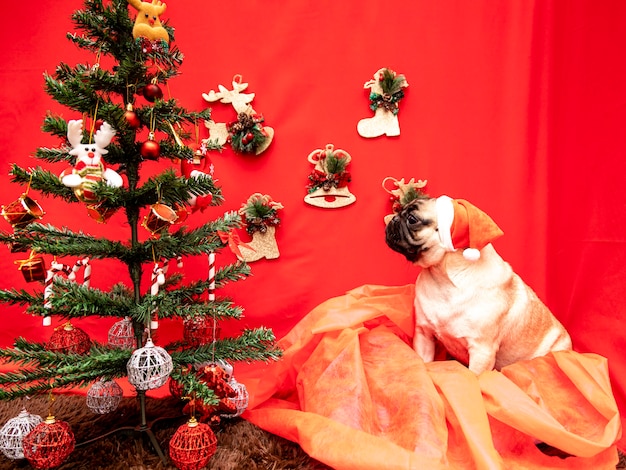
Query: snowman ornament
x,y
90,168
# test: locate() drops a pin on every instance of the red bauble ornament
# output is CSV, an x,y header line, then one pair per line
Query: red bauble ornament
x,y
49,443
69,339
199,331
192,445
131,117
152,92
150,149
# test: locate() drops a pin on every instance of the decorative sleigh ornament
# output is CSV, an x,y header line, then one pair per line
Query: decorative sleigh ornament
x,y
328,182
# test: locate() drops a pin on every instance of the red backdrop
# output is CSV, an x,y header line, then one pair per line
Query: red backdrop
x,y
516,106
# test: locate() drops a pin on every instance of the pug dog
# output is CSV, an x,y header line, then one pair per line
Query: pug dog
x,y
466,296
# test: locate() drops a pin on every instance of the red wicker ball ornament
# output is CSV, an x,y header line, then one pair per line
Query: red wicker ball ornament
x,y
198,331
152,92
69,339
192,445
49,444
150,149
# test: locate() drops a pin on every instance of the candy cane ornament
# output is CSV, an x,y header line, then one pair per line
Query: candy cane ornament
x,y
211,278
55,269
158,279
86,274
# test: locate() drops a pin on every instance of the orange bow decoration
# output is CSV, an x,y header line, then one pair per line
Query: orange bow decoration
x,y
234,242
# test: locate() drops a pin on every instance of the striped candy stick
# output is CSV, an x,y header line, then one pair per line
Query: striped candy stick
x,y
55,269
86,274
158,279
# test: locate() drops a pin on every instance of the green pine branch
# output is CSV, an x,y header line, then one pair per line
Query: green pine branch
x,y
252,345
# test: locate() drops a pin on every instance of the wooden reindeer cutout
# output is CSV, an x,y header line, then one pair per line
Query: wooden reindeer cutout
x,y
246,135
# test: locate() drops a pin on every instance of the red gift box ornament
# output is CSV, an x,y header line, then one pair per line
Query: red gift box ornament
x,y
49,444
33,268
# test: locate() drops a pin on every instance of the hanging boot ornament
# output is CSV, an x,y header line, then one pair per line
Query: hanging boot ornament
x,y
259,215
386,91
245,135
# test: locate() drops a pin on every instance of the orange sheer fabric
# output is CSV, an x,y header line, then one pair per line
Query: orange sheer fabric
x,y
353,393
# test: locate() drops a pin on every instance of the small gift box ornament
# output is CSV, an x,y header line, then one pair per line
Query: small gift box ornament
x,y
33,269
386,91
328,182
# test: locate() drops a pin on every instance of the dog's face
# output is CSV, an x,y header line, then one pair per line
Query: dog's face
x,y
413,232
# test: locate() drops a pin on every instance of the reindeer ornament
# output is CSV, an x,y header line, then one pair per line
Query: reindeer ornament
x,y
246,134
90,168
148,22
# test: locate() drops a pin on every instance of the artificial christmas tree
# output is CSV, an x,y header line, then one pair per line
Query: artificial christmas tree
x,y
118,105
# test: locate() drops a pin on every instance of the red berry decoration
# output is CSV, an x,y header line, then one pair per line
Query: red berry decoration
x,y
131,117
150,149
69,339
192,445
152,92
48,444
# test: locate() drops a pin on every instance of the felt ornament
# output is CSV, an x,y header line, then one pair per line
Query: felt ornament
x,y
90,168
386,91
328,182
259,214
246,134
148,22
464,226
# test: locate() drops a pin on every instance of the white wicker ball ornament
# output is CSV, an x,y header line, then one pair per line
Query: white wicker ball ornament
x,y
122,334
149,367
104,396
13,432
240,400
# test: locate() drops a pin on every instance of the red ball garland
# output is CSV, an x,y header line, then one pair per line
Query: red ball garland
x,y
192,445
48,444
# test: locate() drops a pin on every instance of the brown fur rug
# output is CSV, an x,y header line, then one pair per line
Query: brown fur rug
x,y
241,445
